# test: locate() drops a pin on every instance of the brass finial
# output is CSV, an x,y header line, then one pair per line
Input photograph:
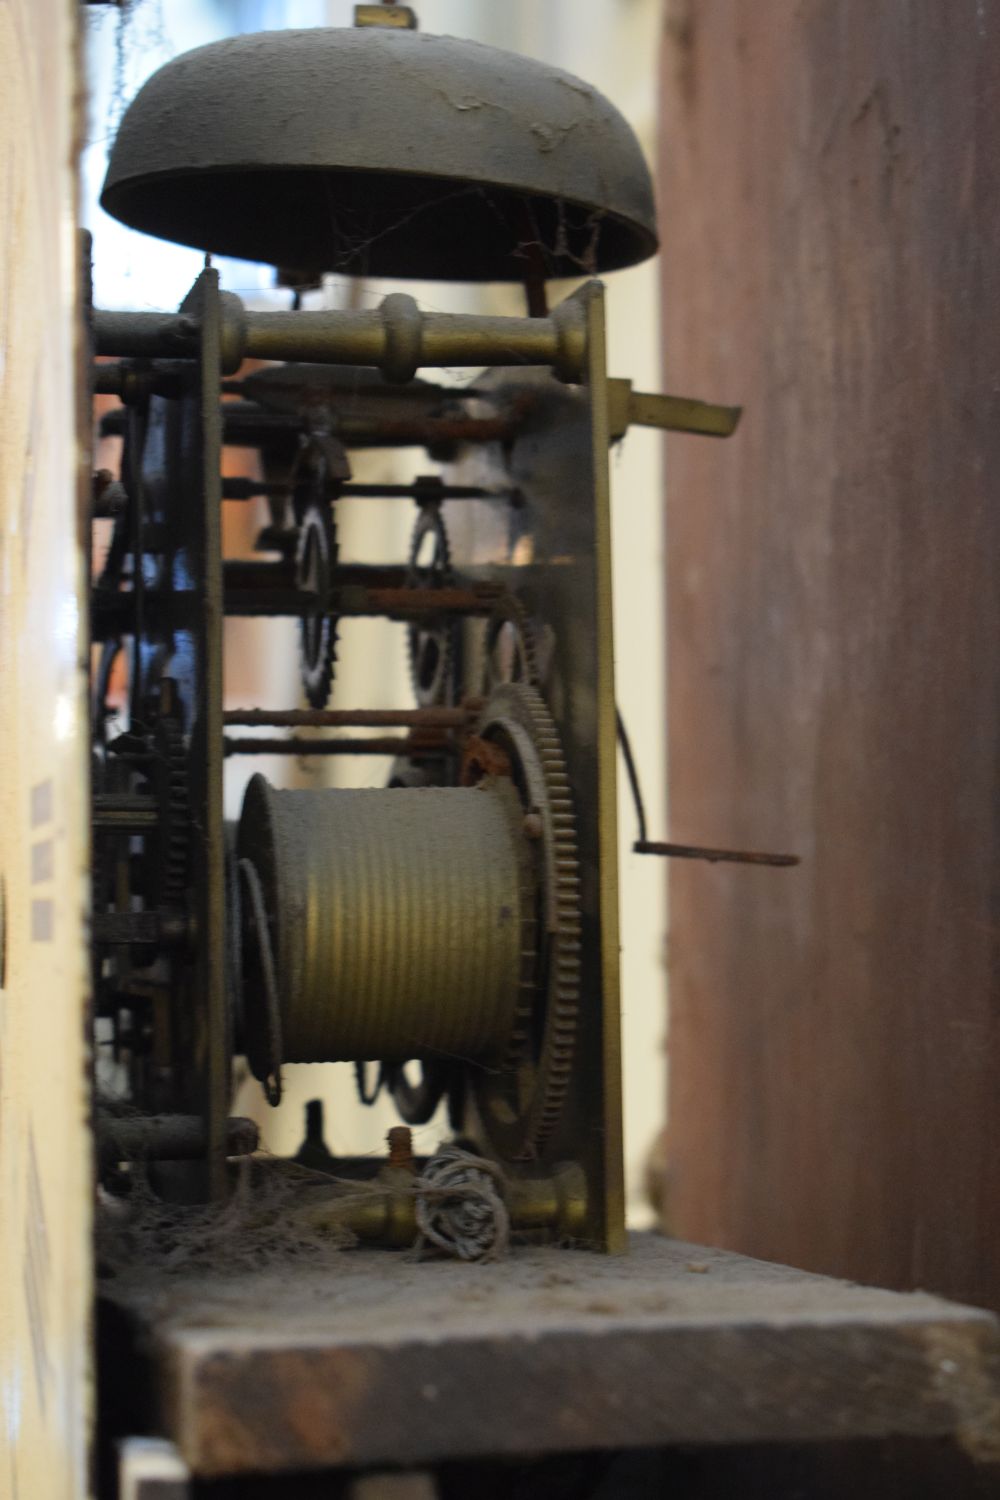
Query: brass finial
x,y
401,17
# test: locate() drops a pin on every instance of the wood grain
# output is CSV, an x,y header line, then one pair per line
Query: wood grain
x,y
372,1359
830,189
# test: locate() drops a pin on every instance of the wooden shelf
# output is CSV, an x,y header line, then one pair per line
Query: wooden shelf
x,y
369,1358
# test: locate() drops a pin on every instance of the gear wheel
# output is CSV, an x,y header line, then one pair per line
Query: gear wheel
x,y
171,780
431,646
521,1103
510,647
315,559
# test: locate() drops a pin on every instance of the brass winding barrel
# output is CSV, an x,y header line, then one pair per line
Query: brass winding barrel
x,y
397,918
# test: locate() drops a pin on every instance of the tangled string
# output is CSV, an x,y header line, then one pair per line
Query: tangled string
x,y
460,1207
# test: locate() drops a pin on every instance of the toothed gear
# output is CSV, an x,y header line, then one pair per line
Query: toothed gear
x,y
517,715
510,631
315,559
171,777
431,647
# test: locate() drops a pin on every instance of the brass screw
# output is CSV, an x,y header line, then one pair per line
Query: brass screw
x,y
400,1140
533,827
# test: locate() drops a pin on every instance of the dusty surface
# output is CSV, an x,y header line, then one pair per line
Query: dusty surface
x,y
383,1296
368,1358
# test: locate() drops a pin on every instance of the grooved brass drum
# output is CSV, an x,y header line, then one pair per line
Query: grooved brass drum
x,y
396,921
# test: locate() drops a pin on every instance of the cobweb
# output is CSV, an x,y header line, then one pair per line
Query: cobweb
x,y
140,33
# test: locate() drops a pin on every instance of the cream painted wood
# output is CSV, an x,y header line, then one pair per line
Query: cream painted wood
x,y
45,1205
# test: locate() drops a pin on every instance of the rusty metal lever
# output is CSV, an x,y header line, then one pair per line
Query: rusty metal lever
x,y
645,845
696,851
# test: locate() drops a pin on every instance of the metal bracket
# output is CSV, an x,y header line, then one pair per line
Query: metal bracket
x,y
628,408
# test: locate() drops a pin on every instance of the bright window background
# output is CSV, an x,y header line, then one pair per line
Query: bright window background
x,y
614,45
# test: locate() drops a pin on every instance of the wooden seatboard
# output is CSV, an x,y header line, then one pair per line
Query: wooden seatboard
x,y
367,1357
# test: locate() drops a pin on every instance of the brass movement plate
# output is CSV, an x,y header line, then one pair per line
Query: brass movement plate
x,y
554,553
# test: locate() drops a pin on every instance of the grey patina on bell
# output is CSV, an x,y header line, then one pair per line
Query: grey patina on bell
x,y
384,153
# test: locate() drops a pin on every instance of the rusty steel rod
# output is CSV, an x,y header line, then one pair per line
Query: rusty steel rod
x,y
246,425
390,744
393,603
413,604
236,488
348,718
249,430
